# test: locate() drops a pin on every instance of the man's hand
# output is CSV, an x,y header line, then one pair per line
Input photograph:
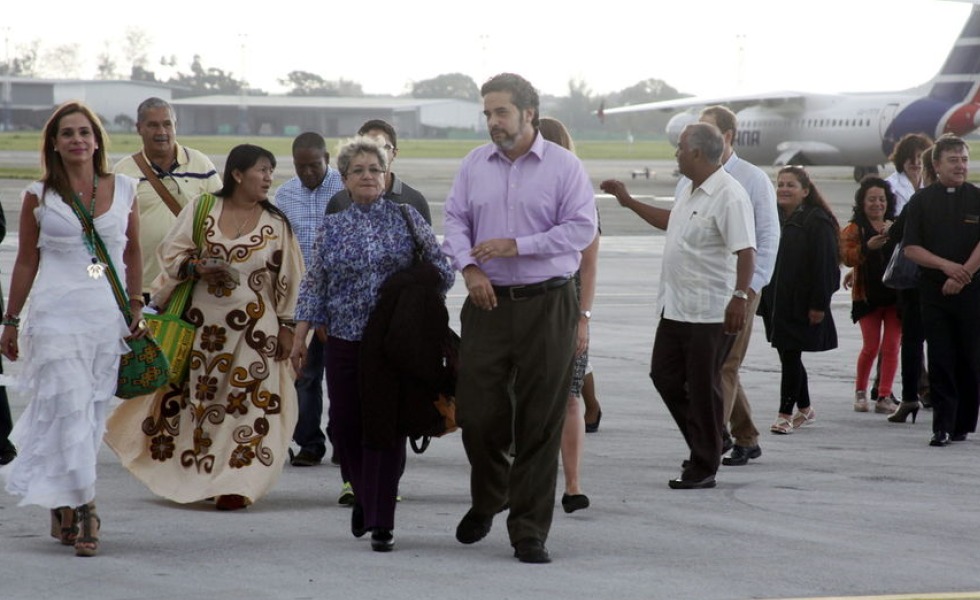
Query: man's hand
x,y
615,188
479,287
498,248
735,315
952,287
957,272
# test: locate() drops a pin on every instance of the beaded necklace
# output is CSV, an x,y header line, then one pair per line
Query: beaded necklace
x,y
97,268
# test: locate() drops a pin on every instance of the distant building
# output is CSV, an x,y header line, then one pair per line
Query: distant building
x,y
330,116
26,103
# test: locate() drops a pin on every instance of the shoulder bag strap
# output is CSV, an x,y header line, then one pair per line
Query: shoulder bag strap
x,y
182,293
122,298
151,176
418,254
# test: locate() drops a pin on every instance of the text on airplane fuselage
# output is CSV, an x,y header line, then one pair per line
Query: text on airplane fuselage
x,y
748,137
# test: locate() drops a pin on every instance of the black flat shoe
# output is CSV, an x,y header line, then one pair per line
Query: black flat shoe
x,y
594,427
357,521
959,437
574,502
940,439
382,540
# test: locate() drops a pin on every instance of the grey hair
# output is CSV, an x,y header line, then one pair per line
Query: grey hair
x,y
360,145
708,139
150,104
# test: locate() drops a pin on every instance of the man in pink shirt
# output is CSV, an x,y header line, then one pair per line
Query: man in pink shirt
x,y
519,214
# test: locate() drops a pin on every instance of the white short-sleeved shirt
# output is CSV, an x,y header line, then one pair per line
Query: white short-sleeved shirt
x,y
707,226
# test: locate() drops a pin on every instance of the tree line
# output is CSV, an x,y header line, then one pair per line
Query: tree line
x,y
577,109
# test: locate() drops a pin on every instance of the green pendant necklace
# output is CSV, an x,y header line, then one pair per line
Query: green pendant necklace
x,y
97,268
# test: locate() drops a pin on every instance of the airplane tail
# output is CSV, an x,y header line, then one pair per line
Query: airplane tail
x,y
953,102
958,82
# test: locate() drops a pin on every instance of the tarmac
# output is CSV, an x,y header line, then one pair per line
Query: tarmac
x,y
852,506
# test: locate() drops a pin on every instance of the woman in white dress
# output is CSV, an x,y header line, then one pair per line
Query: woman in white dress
x,y
73,332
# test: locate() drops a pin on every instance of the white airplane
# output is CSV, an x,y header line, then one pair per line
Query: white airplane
x,y
859,130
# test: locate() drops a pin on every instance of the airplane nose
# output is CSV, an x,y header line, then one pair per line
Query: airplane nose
x,y
676,125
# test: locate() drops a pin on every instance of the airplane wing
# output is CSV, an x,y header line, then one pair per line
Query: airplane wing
x,y
736,103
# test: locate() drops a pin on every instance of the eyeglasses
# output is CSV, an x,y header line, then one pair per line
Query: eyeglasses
x,y
361,172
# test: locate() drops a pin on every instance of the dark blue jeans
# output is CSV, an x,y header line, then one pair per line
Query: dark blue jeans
x,y
308,435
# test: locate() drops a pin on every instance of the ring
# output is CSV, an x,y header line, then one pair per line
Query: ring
x,y
141,325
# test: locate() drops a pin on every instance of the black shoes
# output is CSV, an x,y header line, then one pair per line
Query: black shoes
x,y
531,550
574,502
357,521
304,459
382,540
940,439
7,455
473,528
741,454
692,484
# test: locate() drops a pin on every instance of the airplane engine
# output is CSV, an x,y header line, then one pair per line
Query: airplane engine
x,y
676,125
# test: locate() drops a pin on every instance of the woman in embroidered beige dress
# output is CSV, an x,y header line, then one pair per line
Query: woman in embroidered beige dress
x,y
225,432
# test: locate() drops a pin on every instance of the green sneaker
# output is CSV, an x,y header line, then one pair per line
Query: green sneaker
x,y
346,495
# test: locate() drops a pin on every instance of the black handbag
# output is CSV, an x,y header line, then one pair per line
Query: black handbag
x,y
901,273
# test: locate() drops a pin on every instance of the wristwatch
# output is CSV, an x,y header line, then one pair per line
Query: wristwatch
x,y
741,294
587,314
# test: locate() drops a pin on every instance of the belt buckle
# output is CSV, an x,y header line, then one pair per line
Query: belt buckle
x,y
512,289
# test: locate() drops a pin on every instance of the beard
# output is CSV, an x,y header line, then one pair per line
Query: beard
x,y
507,140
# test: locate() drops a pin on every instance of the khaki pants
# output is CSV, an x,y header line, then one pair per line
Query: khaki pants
x,y
737,412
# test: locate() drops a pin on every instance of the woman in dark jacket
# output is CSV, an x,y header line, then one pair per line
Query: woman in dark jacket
x,y
795,306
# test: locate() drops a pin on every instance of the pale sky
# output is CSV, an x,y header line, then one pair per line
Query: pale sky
x,y
703,47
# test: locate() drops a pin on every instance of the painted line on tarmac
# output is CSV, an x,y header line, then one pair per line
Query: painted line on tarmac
x,y
937,596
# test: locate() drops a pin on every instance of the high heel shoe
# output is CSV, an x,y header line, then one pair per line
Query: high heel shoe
x,y
64,527
903,411
87,543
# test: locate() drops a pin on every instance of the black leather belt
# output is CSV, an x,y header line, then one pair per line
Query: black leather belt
x,y
523,292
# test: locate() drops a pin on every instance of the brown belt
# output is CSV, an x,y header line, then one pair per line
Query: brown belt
x,y
523,292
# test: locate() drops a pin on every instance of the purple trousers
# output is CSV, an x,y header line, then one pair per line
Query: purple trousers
x,y
373,473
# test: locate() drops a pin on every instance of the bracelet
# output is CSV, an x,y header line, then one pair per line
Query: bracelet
x,y
138,298
11,320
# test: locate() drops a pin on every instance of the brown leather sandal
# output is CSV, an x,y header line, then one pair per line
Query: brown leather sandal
x,y
64,527
87,543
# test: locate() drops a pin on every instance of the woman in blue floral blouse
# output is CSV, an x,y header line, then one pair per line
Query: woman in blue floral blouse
x,y
355,252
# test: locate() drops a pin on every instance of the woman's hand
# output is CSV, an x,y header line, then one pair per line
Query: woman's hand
x,y
877,242
138,327
816,317
8,343
285,346
215,271
297,353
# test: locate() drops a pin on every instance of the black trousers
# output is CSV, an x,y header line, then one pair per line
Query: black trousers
x,y
952,326
527,344
794,387
686,370
913,339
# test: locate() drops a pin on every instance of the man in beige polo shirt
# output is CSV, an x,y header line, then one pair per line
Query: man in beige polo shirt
x,y
183,172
